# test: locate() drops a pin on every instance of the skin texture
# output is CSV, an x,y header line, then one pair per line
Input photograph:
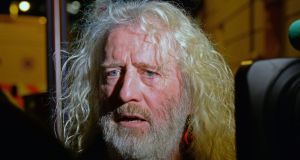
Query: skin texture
x,y
136,74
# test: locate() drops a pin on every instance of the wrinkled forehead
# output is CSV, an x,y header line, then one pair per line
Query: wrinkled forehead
x,y
151,34
159,38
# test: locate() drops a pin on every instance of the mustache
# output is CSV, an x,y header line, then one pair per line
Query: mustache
x,y
132,109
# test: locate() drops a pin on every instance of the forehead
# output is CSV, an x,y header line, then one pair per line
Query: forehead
x,y
126,38
132,43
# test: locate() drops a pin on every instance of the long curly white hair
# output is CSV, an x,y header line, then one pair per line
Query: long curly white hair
x,y
207,78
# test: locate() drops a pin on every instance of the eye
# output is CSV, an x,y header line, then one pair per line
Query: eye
x,y
150,74
113,73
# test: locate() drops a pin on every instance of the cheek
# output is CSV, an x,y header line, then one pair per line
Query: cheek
x,y
162,100
106,90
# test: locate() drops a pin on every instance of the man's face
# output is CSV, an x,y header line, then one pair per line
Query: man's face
x,y
143,113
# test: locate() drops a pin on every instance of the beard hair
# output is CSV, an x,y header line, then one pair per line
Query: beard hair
x,y
161,139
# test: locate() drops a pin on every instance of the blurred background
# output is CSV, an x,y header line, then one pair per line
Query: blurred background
x,y
24,45
240,29
250,29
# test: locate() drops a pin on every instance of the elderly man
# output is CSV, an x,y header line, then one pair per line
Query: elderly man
x,y
145,83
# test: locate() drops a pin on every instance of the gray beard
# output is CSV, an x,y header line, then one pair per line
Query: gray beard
x,y
159,142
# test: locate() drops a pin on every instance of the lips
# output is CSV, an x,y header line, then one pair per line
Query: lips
x,y
132,121
130,118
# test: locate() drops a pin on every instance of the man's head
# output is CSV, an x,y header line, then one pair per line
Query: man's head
x,y
139,70
144,109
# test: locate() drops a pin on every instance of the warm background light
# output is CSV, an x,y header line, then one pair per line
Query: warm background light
x,y
42,20
13,9
24,6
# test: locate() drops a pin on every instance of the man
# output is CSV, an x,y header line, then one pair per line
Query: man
x,y
145,83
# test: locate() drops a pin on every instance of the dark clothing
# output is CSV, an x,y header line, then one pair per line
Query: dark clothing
x,y
23,137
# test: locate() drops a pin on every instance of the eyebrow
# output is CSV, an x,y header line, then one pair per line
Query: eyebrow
x,y
146,65
140,65
112,65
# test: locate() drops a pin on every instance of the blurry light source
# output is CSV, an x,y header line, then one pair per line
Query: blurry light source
x,y
13,10
24,6
246,63
42,20
73,7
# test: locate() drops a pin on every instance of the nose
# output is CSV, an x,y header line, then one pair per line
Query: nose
x,y
130,88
